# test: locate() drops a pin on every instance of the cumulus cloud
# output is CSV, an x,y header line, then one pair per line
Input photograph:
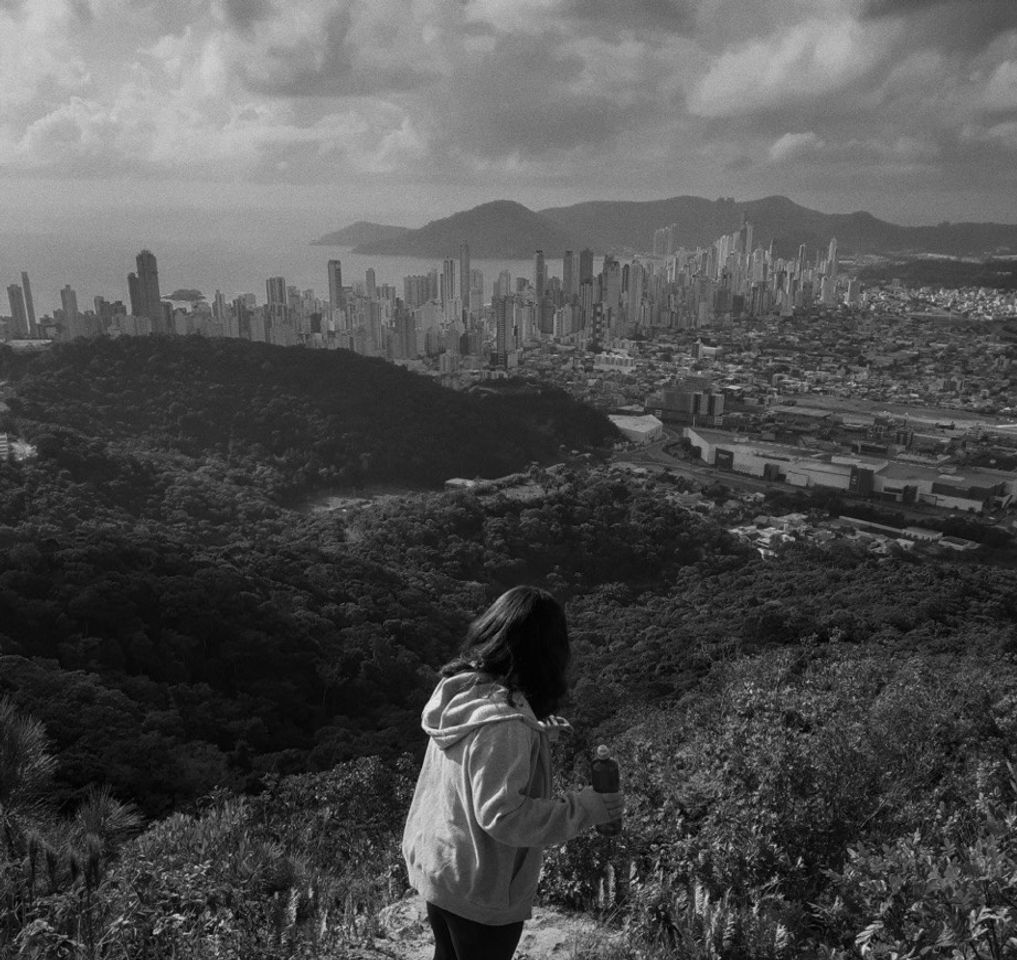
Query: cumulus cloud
x,y
806,62
1001,90
793,145
711,96
38,60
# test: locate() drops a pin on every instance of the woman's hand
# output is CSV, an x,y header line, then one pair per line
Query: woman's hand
x,y
615,803
612,803
555,726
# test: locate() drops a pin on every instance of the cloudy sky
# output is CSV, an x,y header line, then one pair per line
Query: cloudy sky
x,y
404,110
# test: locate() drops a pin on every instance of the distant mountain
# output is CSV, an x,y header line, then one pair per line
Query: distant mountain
x,y
501,229
504,229
627,227
363,231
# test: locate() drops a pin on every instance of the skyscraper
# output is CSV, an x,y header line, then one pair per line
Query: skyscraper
x,y
449,281
134,295
539,276
671,240
275,291
611,290
219,309
416,290
586,266
503,286
148,287
568,274
832,267
29,304
502,323
464,275
637,277
69,302
277,299
336,297
18,314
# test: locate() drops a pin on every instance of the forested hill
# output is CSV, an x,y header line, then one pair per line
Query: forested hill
x,y
163,609
813,746
296,420
818,749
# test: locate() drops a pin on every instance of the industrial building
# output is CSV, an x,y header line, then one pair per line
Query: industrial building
x,y
645,429
974,490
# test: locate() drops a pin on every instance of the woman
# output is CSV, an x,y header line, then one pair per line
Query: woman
x,y
482,811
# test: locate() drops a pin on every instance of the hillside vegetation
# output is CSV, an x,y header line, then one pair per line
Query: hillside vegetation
x,y
209,701
285,421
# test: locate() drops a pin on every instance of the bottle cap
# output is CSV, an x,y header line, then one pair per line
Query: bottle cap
x,y
602,752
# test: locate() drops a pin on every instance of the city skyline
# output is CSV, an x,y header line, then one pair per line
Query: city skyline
x,y
310,114
446,310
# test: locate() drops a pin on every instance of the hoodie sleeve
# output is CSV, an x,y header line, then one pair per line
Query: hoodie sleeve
x,y
500,772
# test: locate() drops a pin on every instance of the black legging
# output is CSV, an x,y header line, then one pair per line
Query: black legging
x,y
456,938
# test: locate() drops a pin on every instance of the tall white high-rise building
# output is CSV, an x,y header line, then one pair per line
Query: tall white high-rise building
x,y
219,309
336,296
278,300
611,286
636,283
503,286
19,316
464,274
449,281
29,303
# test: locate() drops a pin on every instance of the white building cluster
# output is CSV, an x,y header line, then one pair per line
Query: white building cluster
x,y
898,481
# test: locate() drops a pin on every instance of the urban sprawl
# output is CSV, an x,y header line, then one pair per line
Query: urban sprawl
x,y
771,370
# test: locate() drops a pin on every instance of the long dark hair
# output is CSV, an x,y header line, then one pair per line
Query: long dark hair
x,y
522,642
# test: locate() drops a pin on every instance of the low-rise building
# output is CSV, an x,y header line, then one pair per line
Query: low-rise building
x,y
969,490
644,429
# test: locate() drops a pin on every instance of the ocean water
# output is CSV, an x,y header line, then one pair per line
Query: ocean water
x,y
97,264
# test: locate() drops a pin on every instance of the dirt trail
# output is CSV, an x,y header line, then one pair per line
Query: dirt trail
x,y
548,935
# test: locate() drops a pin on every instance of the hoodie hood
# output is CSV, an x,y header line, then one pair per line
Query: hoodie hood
x,y
462,703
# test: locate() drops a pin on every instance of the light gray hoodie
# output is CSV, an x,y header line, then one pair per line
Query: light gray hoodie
x,y
482,811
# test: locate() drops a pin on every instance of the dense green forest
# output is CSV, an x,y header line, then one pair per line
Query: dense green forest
x,y
209,700
286,421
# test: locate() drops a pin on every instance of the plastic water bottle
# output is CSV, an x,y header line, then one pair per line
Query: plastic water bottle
x,y
606,778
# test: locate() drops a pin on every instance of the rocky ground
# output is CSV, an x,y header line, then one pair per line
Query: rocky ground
x,y
404,934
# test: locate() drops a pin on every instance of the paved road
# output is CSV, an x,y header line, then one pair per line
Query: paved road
x,y
654,457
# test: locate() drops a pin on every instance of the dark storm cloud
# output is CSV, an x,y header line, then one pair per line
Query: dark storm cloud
x,y
82,10
241,15
882,8
672,16
328,65
951,24
519,100
477,28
